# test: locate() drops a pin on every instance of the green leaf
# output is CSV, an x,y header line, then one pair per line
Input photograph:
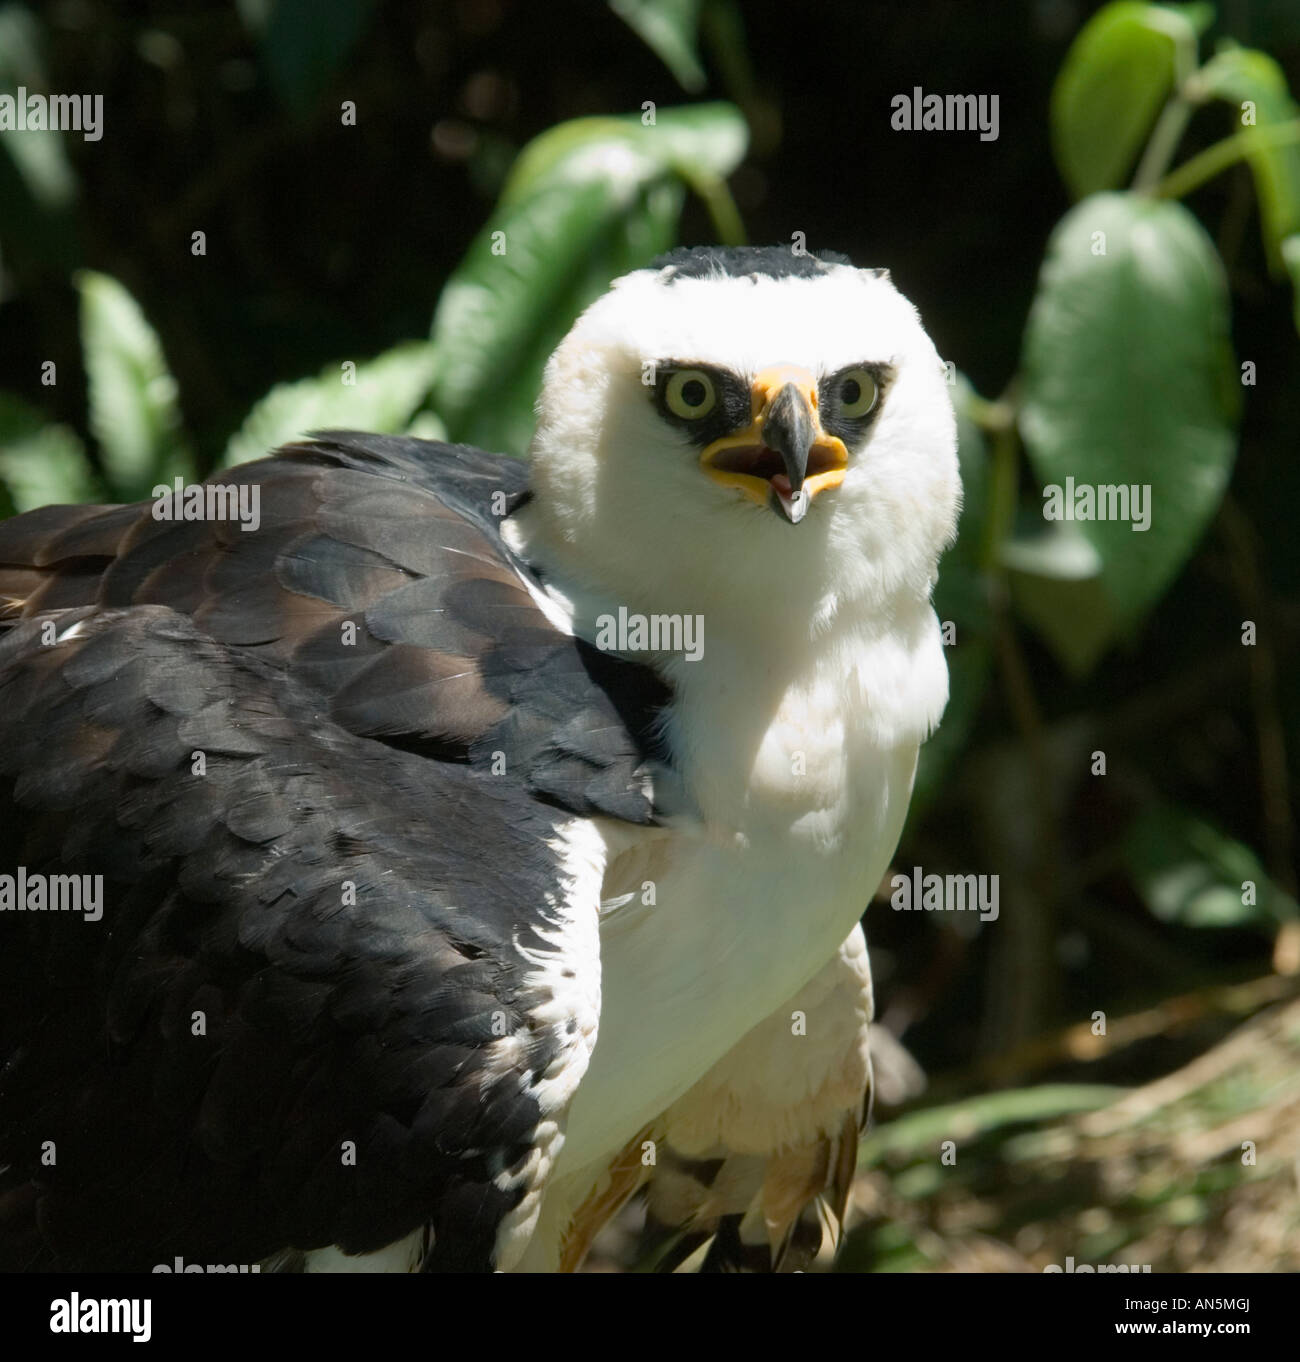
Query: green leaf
x,y
1054,577
41,464
1128,381
670,28
38,186
916,1134
1119,70
40,155
585,202
426,425
1240,76
384,396
1192,873
630,152
134,414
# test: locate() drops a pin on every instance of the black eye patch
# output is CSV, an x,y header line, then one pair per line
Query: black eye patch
x,y
730,411
842,390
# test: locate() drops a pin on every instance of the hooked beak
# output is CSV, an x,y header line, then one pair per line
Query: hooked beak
x,y
783,458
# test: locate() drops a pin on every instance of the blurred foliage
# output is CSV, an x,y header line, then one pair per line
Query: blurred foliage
x,y
402,207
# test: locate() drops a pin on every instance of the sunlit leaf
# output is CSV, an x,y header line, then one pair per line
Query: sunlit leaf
x,y
380,395
40,463
1128,384
585,202
134,413
1254,84
1116,76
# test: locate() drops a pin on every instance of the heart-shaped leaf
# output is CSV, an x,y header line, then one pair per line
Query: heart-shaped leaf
x,y
1129,396
1118,72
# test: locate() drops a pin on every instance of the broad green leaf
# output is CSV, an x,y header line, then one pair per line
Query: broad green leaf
x,y
1128,383
134,414
585,202
1055,581
1192,873
1254,84
628,151
1119,70
670,29
379,396
40,155
41,464
38,186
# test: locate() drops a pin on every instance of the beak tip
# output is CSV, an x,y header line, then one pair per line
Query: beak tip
x,y
794,507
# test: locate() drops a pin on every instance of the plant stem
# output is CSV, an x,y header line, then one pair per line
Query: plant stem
x,y
1003,479
1163,142
723,212
1214,160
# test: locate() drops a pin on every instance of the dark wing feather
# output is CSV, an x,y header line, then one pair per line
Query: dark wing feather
x,y
378,578
332,922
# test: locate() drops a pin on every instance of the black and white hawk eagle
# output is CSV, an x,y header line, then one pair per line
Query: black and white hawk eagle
x,y
446,897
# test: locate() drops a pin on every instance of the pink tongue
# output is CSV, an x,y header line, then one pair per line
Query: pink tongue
x,y
782,485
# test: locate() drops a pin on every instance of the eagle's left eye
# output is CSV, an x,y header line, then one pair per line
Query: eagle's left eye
x,y
855,393
690,394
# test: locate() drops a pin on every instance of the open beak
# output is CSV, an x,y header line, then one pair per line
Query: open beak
x,y
783,458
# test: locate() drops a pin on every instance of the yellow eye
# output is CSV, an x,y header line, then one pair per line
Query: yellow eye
x,y
855,392
690,393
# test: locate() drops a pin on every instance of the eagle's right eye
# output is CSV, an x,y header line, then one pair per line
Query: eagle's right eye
x,y
690,394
